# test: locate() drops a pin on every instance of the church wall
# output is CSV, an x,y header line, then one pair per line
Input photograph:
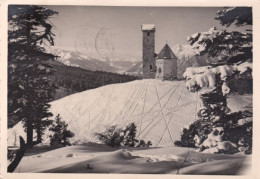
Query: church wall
x,y
166,69
160,68
174,68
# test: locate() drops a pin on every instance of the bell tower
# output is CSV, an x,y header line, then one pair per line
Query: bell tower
x,y
149,68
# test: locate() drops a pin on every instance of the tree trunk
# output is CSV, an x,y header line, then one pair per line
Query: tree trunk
x,y
29,129
15,135
18,157
38,130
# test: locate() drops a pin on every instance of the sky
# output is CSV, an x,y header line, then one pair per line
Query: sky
x,y
116,31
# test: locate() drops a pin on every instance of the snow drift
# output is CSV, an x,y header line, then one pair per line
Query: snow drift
x,y
98,158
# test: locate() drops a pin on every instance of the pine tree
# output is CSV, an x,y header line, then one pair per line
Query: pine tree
x,y
234,49
111,136
116,137
129,135
29,89
61,134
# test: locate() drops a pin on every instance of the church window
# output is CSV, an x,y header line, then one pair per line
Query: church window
x,y
151,67
160,70
148,33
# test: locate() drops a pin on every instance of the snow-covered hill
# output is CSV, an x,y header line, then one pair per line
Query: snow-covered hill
x,y
159,109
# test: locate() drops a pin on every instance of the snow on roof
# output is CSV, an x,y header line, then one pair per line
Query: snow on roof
x,y
148,26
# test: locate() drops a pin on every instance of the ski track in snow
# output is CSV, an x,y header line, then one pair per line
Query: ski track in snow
x,y
141,120
167,125
159,112
164,117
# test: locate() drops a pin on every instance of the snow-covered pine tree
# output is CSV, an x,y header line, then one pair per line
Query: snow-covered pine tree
x,y
217,130
29,89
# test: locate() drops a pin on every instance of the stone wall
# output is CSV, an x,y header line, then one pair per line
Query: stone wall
x,y
149,68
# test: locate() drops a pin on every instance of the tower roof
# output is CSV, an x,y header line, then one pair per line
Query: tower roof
x,y
148,26
166,53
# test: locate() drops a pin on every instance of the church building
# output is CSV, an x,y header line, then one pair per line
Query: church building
x,y
162,66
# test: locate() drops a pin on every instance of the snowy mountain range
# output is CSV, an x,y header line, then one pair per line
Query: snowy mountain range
x,y
77,59
129,65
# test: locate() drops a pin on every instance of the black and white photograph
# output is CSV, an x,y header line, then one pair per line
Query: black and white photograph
x,y
129,89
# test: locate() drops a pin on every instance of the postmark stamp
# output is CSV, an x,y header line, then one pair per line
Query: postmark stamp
x,y
99,43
